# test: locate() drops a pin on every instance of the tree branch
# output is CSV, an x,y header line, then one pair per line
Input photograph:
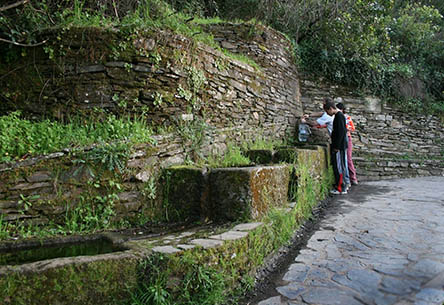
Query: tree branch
x,y
7,7
22,44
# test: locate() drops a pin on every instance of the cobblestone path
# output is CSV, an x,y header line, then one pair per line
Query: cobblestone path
x,y
383,245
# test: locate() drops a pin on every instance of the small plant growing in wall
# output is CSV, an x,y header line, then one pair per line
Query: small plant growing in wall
x,y
184,93
150,188
26,202
221,64
112,156
153,281
193,134
128,67
196,79
158,99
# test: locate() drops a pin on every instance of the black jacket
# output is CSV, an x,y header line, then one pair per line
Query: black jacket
x,y
339,133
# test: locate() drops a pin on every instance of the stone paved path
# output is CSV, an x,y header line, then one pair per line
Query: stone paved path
x,y
384,245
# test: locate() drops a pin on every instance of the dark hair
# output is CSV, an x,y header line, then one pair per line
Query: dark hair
x,y
341,107
327,100
329,104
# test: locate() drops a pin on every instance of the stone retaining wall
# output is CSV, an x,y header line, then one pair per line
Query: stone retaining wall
x,y
41,189
388,143
162,76
166,78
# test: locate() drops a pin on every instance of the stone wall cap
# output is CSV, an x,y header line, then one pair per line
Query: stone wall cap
x,y
247,226
230,235
207,243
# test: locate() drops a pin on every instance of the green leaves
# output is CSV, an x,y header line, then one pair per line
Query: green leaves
x,y
21,137
370,44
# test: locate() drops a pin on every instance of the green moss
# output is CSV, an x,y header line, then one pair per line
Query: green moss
x,y
195,277
99,282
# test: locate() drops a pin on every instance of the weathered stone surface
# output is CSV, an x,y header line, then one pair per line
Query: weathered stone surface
x,y
327,296
185,247
91,69
41,176
30,186
433,296
207,243
166,249
297,273
247,226
7,204
272,301
247,193
230,235
291,291
388,244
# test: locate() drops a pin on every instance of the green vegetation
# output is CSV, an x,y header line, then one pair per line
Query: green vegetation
x,y
94,211
393,48
21,138
262,142
29,24
217,276
26,23
96,282
242,58
232,157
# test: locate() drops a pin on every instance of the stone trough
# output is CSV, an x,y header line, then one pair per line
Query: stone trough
x,y
104,278
239,193
220,194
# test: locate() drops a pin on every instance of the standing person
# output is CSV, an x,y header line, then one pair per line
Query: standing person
x,y
350,127
338,148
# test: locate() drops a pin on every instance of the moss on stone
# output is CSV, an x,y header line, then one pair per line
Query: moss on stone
x,y
97,282
247,193
235,261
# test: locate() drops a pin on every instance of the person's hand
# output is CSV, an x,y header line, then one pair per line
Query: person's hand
x,y
303,120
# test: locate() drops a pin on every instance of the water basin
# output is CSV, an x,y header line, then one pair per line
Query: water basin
x,y
38,253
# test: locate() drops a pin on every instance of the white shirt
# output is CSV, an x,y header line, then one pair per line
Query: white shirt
x,y
325,119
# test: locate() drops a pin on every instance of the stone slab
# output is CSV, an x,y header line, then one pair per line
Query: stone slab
x,y
230,235
185,247
247,226
207,243
166,249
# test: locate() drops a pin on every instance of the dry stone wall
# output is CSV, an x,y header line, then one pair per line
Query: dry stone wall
x,y
162,76
388,143
166,78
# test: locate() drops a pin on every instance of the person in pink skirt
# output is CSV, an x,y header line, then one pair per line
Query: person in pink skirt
x,y
350,127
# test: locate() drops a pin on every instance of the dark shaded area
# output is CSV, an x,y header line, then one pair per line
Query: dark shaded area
x,y
34,254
